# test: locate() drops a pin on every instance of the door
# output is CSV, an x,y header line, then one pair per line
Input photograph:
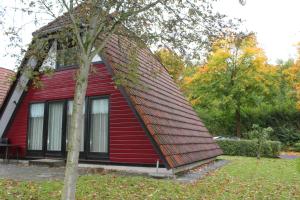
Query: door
x,y
98,139
35,129
55,128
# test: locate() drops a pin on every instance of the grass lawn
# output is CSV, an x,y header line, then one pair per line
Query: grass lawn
x,y
243,178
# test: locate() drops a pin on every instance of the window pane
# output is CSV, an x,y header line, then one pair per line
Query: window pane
x,y
36,123
67,57
99,126
69,117
55,126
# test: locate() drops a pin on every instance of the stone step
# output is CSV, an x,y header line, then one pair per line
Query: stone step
x,y
48,162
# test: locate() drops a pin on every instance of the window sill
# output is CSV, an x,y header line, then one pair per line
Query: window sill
x,y
74,66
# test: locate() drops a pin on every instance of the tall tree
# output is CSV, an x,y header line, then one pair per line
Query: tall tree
x,y
290,73
185,26
236,75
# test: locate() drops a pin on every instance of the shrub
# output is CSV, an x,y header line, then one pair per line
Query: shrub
x,y
287,135
283,119
249,148
260,135
295,147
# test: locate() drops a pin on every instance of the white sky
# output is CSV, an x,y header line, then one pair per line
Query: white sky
x,y
276,23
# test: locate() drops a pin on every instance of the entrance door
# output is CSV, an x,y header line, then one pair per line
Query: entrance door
x,y
35,129
98,128
55,128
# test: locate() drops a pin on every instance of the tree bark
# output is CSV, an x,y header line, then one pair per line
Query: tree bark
x,y
71,173
238,121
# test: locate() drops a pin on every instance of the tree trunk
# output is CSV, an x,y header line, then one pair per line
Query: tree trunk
x,y
71,172
238,121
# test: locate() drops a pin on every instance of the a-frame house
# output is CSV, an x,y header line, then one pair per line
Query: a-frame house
x,y
130,124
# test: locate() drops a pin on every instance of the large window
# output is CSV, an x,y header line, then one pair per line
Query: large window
x,y
99,126
81,127
50,127
36,124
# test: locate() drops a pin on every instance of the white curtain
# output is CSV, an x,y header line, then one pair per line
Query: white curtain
x,y
69,116
55,126
36,121
99,126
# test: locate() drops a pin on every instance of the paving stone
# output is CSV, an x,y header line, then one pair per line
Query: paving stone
x,y
48,162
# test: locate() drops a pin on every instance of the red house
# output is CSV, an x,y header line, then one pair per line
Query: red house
x,y
127,124
5,75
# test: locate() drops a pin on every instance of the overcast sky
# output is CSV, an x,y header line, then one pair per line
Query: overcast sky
x,y
276,23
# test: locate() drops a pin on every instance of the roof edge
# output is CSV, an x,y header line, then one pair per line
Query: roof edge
x,y
132,107
8,70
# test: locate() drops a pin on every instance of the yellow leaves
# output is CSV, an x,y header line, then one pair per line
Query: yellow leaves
x,y
234,72
188,80
203,69
195,102
298,105
251,50
174,63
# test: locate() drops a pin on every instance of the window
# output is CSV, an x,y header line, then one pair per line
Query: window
x,y
50,60
55,125
99,126
66,57
69,117
49,128
36,124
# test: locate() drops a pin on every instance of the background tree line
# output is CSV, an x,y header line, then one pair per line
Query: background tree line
x,y
236,87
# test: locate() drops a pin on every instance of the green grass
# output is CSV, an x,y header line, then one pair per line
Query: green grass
x,y
243,178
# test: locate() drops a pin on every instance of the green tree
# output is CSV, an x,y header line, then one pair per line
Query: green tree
x,y
236,76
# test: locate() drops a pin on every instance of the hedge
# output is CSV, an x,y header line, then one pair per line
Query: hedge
x,y
295,147
271,149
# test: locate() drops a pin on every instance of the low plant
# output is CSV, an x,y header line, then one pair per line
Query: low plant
x,y
260,135
295,147
249,148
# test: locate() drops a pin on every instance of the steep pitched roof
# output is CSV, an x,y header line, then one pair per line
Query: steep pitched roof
x,y
172,124
5,74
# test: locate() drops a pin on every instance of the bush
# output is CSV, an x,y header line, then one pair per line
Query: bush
x,y
284,120
260,135
295,147
270,149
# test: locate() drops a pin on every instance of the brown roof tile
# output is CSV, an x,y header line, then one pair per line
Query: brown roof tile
x,y
172,122
5,75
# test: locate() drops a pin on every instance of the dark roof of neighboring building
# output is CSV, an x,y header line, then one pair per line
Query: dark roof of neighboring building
x,y
5,75
172,124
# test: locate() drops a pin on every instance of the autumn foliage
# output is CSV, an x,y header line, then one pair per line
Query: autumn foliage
x,y
236,87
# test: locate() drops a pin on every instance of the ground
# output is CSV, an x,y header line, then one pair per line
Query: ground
x,y
242,178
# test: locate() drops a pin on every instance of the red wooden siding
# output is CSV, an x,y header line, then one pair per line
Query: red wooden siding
x,y
128,141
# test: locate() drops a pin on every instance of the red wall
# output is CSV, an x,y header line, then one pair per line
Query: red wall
x,y
128,141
